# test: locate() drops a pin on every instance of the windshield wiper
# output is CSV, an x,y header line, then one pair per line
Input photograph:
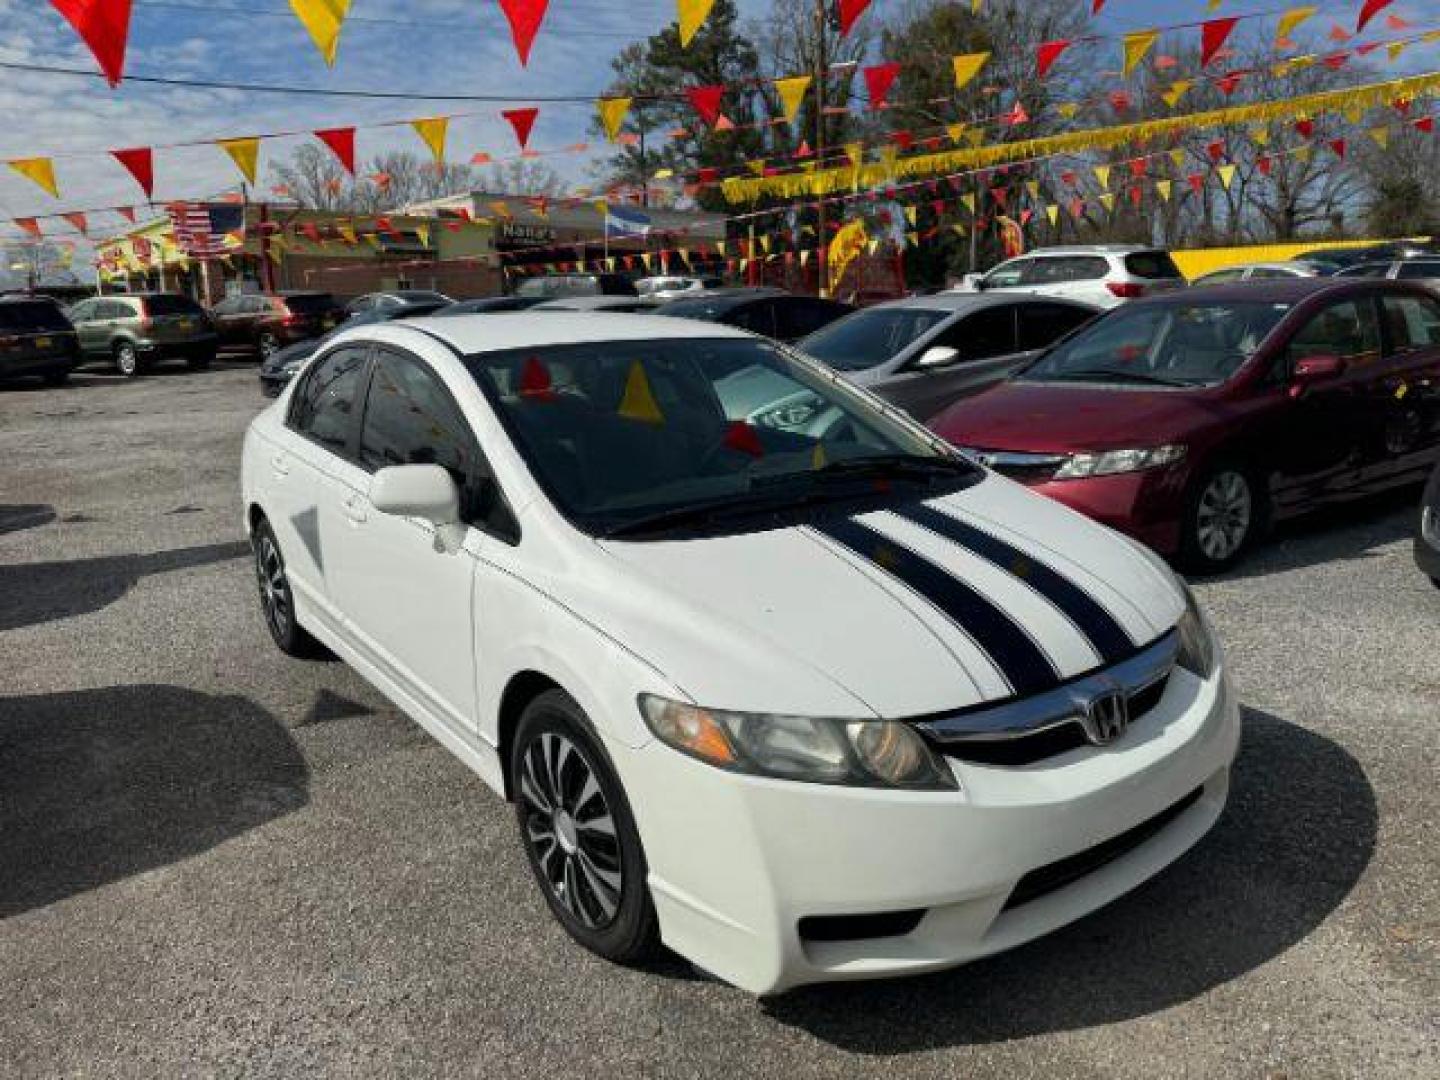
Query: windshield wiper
x,y
702,513
886,466
1111,374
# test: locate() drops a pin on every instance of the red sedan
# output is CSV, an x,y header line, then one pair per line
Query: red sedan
x,y
1193,420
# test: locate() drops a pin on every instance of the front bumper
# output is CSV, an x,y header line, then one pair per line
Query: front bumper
x,y
1427,536
192,346
736,861
1147,505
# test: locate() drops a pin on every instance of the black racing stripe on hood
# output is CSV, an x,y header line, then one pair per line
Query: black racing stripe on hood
x,y
1100,628
1014,653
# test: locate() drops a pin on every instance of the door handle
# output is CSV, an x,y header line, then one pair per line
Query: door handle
x,y
355,509
280,464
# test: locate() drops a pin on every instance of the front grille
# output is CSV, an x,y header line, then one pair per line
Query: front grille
x,y
1057,875
1022,467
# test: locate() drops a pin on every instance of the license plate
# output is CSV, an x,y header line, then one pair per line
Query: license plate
x,y
187,324
330,324
44,342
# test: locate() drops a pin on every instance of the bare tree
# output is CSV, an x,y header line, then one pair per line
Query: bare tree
x,y
522,177
314,179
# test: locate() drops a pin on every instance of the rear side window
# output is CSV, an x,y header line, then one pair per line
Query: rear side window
x,y
1041,325
325,404
1221,277
795,318
1152,264
1412,321
1348,330
168,304
24,316
987,333
1061,269
1009,274
1272,273
1411,271
758,317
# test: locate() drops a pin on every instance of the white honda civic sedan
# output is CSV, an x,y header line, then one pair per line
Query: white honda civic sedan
x,y
771,674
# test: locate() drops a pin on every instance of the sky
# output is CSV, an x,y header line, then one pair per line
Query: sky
x,y
445,46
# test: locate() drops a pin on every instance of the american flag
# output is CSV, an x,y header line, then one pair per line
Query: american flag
x,y
202,229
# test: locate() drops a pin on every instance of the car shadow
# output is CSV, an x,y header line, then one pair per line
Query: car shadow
x,y
1297,834
104,784
33,593
1332,535
17,518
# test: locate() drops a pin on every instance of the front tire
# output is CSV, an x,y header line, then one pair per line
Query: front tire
x,y
277,602
1222,518
578,832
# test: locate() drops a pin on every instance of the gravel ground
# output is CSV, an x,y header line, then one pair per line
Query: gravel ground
x,y
216,861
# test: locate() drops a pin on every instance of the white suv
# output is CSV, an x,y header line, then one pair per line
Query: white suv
x,y
1103,274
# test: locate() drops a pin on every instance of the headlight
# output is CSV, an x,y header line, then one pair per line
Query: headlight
x,y
1109,462
1197,647
863,753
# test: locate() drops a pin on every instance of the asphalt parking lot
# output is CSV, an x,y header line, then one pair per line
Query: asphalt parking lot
x,y
215,860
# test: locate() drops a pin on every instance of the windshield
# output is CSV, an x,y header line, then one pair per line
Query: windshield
x,y
624,433
870,337
1163,344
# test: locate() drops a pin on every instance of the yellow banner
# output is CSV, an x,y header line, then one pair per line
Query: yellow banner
x,y
825,181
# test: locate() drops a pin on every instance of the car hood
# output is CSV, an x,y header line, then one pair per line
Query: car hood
x,y
1061,418
978,596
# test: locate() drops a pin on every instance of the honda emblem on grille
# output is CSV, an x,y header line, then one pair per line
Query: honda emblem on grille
x,y
1107,717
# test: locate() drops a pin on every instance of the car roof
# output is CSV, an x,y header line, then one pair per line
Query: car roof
x,y
500,330
1093,249
1266,290
975,301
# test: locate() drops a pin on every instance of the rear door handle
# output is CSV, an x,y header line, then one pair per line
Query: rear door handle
x,y
355,509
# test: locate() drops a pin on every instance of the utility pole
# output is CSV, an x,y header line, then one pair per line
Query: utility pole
x,y
821,69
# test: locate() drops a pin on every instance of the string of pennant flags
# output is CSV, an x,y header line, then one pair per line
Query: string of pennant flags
x,y
244,152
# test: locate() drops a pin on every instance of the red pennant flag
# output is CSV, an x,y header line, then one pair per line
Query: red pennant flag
x,y
1047,54
1339,33
522,120
1395,22
903,139
1402,106
141,163
104,25
1138,166
1339,146
1230,83
1136,194
804,151
1213,35
1306,128
1265,165
1016,116
127,212
1196,181
30,225
850,10
1370,9
77,221
1335,61
342,142
1120,100
1216,150
1097,6
1368,47
1425,123
706,101
878,80
524,17
999,195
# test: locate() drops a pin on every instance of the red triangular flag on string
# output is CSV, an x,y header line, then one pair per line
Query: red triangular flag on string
x,y
1265,165
1339,146
706,101
1196,181
1370,9
1425,123
127,212
105,27
850,10
1213,35
1306,128
1016,116
77,220
522,120
1216,150
141,163
1230,83
524,17
1048,53
1335,61
878,80
29,224
342,142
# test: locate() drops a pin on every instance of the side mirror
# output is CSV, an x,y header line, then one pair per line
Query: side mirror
x,y
937,356
427,492
973,282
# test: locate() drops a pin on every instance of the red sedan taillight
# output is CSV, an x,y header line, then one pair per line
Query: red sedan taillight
x,y
1126,290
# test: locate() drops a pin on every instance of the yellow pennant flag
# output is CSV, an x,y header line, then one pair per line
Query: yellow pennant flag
x,y
1396,48
1033,188
602,207
756,167
968,199
1137,45
1068,109
1177,158
347,233
693,14
1290,21
1107,201
638,402
968,66
792,94
39,170
975,136
1162,188
1227,176
433,130
805,254
912,239
1053,213
422,232
955,131
1102,175
910,215
1304,153
1260,135
958,229
245,153
1381,135
612,114
1178,90
323,18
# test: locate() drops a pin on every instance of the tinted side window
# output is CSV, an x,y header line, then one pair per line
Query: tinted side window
x,y
325,404
1348,330
410,420
1411,271
1008,274
1067,268
1041,325
1220,277
1413,322
798,316
83,310
1365,270
1271,273
986,333
1152,264
758,317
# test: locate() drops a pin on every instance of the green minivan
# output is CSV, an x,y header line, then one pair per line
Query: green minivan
x,y
135,330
